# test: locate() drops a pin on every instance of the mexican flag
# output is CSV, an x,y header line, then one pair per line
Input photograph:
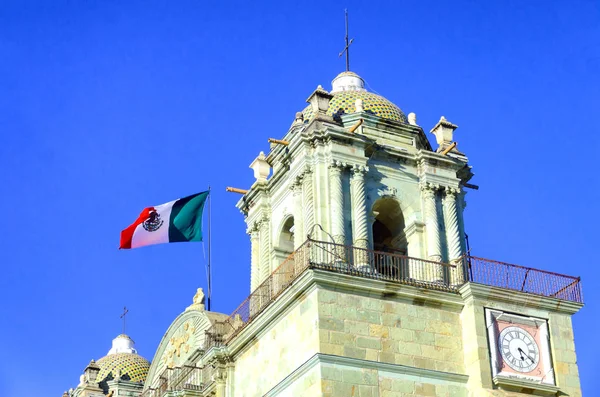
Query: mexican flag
x,y
173,222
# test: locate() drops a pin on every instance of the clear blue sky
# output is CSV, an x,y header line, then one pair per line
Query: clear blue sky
x,y
107,107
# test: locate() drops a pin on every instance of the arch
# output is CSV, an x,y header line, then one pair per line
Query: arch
x,y
285,241
388,227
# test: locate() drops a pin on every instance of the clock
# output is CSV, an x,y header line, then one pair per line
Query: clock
x,y
519,347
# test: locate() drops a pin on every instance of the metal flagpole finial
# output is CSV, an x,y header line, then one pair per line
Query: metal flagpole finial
x,y
125,311
348,43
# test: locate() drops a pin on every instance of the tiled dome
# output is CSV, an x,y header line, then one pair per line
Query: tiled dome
x,y
347,87
132,366
344,102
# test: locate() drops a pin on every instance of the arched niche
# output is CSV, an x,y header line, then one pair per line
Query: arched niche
x,y
284,241
388,226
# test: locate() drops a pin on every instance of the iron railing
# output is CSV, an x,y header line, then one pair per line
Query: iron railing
x,y
178,379
524,279
392,267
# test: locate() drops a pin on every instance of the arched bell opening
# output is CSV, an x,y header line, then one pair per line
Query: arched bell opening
x,y
285,242
389,237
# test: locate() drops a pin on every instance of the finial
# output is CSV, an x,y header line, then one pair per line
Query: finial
x,y
299,118
261,168
444,134
359,105
412,118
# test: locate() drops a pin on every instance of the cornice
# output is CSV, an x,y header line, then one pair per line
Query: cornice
x,y
360,364
474,291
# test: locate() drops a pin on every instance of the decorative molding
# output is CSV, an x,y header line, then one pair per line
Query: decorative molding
x,y
360,364
474,291
513,384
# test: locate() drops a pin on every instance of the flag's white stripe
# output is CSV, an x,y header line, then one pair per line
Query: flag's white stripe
x,y
142,237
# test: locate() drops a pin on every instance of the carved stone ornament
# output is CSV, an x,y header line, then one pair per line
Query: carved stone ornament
x,y
198,301
388,192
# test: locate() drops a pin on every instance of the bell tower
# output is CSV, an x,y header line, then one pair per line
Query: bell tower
x,y
355,171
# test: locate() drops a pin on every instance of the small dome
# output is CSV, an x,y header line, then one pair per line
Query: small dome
x,y
122,358
347,87
133,367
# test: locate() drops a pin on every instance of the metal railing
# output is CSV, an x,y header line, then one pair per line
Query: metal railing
x,y
178,379
524,279
391,267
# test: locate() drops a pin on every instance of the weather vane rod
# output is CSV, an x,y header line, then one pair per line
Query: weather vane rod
x,y
125,311
348,43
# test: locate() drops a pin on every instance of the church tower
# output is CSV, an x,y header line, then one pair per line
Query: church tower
x,y
353,170
360,281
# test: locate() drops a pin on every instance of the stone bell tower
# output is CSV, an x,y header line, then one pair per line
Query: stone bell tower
x,y
354,170
359,281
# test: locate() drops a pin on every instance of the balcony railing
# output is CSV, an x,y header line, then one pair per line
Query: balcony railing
x,y
524,279
394,268
179,379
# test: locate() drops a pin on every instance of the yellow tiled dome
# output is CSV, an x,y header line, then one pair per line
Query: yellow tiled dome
x,y
347,87
133,367
343,102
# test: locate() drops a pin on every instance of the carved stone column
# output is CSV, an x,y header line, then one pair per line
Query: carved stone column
x,y
299,235
434,246
360,230
254,257
265,249
429,271
453,234
336,197
308,201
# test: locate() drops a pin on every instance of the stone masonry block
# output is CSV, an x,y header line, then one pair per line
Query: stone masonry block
x,y
370,343
380,331
354,352
356,327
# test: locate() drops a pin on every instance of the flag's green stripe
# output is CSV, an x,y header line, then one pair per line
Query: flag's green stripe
x,y
186,218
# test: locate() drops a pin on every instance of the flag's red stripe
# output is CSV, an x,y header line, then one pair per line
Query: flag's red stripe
x,y
127,234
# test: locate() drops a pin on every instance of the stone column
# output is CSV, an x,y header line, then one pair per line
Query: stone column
x,y
308,202
434,246
430,272
254,257
336,193
360,230
299,235
265,249
453,234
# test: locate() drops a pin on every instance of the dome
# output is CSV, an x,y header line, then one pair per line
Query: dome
x,y
132,367
122,358
347,87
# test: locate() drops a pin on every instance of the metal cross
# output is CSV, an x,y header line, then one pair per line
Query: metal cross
x,y
347,48
125,311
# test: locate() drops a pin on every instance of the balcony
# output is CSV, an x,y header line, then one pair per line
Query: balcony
x,y
396,268
178,379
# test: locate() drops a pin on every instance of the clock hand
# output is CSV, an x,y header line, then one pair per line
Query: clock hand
x,y
526,355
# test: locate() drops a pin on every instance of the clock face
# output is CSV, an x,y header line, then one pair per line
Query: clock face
x,y
519,349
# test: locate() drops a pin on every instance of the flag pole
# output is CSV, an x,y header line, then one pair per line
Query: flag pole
x,y
208,266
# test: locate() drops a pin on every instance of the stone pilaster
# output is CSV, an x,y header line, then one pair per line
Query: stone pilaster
x,y
254,256
453,237
360,229
299,235
336,198
265,249
308,201
434,246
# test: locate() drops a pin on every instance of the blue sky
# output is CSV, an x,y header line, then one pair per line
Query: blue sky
x,y
107,107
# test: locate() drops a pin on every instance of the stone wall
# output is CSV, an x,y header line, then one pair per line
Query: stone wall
x,y
278,350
